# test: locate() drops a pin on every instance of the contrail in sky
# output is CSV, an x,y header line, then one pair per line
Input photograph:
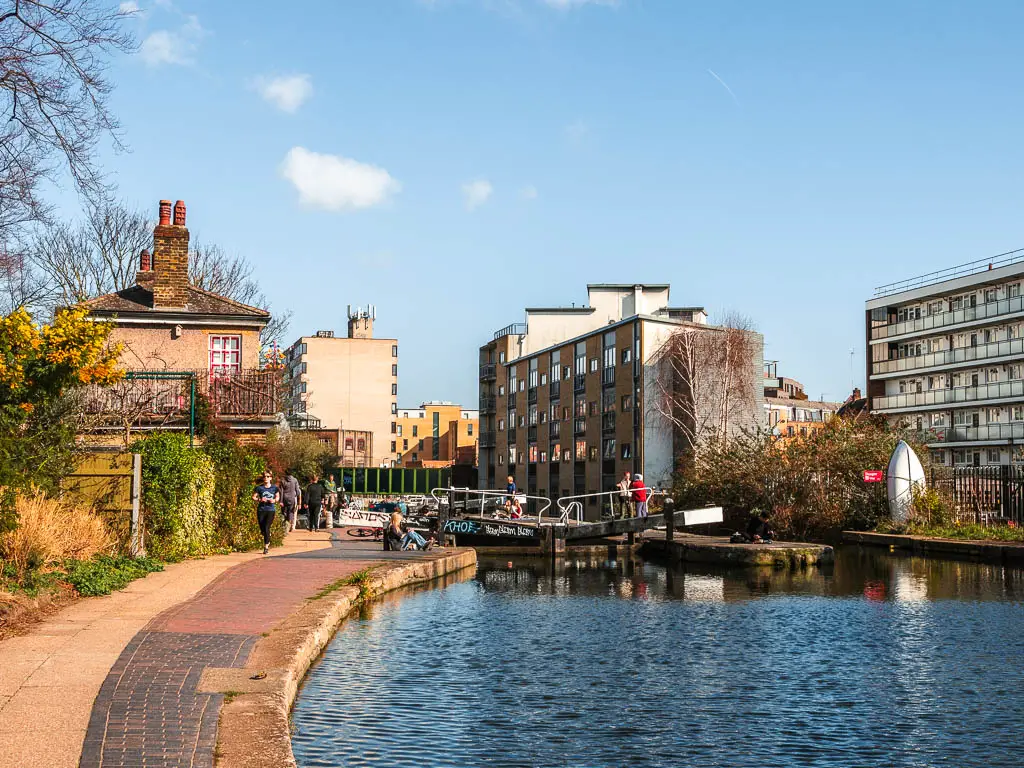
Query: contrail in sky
x,y
724,85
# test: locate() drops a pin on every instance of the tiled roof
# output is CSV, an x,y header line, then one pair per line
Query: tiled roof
x,y
139,298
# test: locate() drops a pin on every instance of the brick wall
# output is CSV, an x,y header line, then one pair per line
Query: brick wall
x,y
170,258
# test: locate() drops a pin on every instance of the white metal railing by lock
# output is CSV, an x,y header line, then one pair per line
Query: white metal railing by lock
x,y
568,505
470,495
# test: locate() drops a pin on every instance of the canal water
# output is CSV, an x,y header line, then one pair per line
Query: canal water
x,y
880,660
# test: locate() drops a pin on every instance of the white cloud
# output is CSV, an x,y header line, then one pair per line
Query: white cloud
x,y
529,192
128,6
287,92
173,47
335,183
476,193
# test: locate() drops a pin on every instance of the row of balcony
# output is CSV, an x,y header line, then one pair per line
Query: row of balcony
x,y
951,357
988,310
488,404
995,391
964,433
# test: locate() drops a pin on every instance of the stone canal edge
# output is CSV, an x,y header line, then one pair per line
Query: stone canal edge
x,y
254,728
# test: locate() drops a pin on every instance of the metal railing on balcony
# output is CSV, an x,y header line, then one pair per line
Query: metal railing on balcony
x,y
607,376
579,382
488,404
579,426
951,357
607,422
554,429
488,371
995,391
531,395
514,329
969,433
991,309
555,391
488,439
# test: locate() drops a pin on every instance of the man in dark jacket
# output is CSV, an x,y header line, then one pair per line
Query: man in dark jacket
x,y
313,500
758,530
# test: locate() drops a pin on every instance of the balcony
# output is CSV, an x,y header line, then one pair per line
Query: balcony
x,y
967,434
531,433
989,310
488,439
555,391
163,398
531,395
579,382
515,329
488,404
608,423
937,397
579,426
951,357
607,377
488,372
554,429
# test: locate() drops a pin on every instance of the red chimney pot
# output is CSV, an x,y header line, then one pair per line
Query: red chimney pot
x,y
145,261
165,213
179,213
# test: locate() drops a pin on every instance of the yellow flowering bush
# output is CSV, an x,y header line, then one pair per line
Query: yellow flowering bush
x,y
40,365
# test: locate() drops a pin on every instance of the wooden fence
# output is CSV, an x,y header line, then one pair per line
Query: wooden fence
x,y
111,485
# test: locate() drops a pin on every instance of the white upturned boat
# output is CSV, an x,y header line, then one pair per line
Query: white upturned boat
x,y
905,474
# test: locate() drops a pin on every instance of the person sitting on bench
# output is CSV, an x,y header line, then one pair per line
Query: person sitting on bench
x,y
758,530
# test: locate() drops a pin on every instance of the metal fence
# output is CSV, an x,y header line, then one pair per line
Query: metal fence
x,y
982,494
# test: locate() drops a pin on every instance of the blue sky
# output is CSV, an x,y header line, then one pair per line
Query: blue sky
x,y
455,161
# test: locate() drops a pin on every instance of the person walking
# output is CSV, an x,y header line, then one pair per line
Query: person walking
x,y
639,495
266,495
625,497
291,498
314,498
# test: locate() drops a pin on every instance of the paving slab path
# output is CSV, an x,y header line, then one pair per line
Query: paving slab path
x,y
112,681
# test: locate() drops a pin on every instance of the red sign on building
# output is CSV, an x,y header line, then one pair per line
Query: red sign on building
x,y
873,476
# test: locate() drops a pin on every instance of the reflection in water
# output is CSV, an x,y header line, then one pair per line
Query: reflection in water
x,y
879,660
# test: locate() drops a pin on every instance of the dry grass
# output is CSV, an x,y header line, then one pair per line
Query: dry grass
x,y
49,531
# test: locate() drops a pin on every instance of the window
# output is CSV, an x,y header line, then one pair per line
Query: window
x,y
399,433
593,365
543,417
1013,290
994,456
469,429
990,294
501,357
394,370
581,450
394,408
394,350
609,450
393,447
1018,413
566,372
543,457
405,445
522,421
226,355
608,401
993,374
543,379
580,408
627,451
593,453
394,389
627,403
532,372
565,414
532,413
501,390
554,412
556,365
790,431
593,408
532,453
627,356
420,445
522,385
394,428
348,444
556,452
501,425
415,456
501,459
415,430
511,454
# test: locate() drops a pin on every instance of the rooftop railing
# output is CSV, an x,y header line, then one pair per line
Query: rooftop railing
x,y
514,329
961,270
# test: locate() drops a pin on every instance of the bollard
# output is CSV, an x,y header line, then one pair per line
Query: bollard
x,y
670,518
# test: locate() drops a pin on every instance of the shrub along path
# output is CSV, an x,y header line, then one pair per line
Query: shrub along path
x,y
50,678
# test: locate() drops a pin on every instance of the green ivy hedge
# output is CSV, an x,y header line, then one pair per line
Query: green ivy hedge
x,y
198,500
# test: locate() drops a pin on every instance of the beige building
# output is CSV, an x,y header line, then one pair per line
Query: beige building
x,y
437,434
567,399
348,383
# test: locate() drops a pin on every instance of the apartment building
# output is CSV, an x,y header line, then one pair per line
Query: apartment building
x,y
437,434
790,413
348,383
946,357
568,399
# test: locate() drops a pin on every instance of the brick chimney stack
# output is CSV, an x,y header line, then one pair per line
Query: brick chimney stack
x,y
170,258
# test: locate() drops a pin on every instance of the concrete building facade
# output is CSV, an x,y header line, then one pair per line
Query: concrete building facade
x,y
568,398
437,434
348,383
946,357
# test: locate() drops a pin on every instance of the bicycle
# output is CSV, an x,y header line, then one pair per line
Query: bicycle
x,y
365,533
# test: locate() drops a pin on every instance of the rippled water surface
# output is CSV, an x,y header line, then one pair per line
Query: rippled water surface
x,y
879,661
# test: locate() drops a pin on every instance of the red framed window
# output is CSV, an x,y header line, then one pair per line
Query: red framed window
x,y
225,355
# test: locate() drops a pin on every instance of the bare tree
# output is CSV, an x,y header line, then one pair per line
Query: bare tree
x,y
19,286
98,256
704,381
53,92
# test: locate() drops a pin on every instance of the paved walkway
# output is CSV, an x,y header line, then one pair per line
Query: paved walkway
x,y
50,678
